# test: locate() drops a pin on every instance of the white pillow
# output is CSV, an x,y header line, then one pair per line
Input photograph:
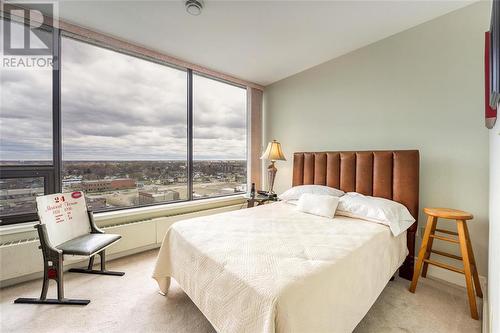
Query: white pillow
x,y
321,205
295,192
379,210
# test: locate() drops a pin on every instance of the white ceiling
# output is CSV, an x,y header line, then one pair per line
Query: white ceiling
x,y
259,41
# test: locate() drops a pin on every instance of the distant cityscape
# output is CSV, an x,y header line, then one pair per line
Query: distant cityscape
x,y
119,184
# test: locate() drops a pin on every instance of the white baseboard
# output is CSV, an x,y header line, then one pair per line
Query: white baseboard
x,y
486,315
452,277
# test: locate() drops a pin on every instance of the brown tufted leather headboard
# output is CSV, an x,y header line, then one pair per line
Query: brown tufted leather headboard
x,y
388,174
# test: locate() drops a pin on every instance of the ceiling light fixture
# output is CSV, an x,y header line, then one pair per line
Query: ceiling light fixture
x,y
194,7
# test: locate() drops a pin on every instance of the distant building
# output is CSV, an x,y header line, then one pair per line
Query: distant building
x,y
71,182
241,188
122,199
199,196
103,185
227,190
15,201
96,185
159,196
121,184
96,203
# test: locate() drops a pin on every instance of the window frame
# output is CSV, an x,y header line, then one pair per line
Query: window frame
x,y
52,173
81,39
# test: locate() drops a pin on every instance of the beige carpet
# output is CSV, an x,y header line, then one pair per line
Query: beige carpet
x,y
132,304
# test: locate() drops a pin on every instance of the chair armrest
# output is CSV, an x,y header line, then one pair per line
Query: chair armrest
x,y
48,249
94,229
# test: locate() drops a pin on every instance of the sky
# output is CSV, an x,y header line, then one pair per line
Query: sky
x,y
118,107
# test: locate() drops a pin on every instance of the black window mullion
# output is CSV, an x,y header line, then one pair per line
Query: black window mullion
x,y
56,111
190,133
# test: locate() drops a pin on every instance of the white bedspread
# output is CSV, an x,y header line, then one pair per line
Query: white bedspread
x,y
274,269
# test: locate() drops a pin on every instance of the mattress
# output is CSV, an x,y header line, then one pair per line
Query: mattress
x,y
274,269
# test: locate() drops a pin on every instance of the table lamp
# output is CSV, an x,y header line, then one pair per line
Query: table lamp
x,y
274,153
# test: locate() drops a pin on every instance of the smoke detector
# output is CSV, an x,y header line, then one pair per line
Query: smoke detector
x,y
194,7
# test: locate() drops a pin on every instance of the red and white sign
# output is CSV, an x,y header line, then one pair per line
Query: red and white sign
x,y
65,216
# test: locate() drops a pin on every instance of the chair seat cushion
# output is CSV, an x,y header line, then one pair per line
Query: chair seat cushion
x,y
88,244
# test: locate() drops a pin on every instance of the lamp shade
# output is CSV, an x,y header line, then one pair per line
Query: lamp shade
x,y
273,152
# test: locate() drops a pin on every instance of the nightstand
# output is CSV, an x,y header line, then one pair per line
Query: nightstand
x,y
260,199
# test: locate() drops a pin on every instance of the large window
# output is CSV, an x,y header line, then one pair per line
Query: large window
x,y
124,124
127,130
26,110
220,138
26,128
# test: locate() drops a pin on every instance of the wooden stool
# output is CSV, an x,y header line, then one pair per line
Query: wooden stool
x,y
463,240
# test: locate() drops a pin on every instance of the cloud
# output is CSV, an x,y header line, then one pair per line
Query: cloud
x,y
25,115
116,106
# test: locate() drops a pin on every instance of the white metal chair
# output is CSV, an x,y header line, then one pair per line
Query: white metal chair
x,y
67,227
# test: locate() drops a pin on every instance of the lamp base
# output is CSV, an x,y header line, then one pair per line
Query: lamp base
x,y
271,175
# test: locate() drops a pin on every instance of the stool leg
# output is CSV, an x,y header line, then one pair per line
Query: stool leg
x,y
475,274
423,249
429,247
467,268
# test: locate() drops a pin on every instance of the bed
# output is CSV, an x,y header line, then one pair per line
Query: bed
x,y
274,269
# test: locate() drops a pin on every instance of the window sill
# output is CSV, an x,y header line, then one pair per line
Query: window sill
x,y
141,213
145,213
